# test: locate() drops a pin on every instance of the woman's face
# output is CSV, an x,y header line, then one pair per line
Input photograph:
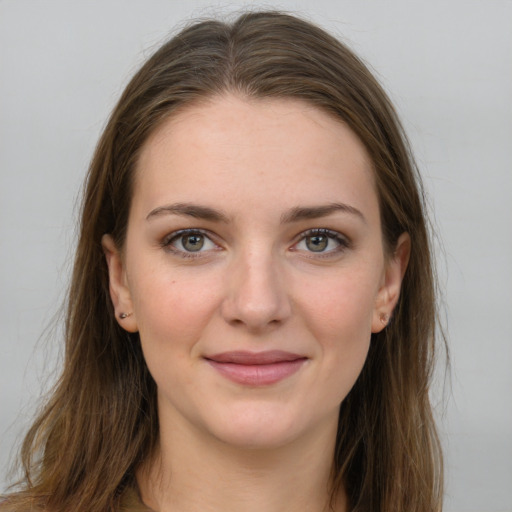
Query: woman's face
x,y
254,268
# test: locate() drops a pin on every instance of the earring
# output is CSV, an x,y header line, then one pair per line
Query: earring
x,y
122,316
384,318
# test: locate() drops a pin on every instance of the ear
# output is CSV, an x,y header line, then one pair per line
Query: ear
x,y
119,289
389,292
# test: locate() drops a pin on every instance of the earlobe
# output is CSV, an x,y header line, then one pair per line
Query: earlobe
x,y
389,292
118,285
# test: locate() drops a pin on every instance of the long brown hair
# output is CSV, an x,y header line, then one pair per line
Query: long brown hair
x,y
101,421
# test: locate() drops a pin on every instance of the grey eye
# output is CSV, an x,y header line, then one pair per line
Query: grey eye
x,y
192,243
317,243
322,242
189,241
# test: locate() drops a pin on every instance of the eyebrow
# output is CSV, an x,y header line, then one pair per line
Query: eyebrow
x,y
317,212
189,210
294,215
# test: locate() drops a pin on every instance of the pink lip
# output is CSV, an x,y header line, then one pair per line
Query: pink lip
x,y
256,368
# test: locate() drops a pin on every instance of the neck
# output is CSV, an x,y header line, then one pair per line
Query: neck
x,y
192,471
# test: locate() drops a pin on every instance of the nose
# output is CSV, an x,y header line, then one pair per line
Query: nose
x,y
256,293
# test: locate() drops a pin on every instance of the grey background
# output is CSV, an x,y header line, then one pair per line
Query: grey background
x,y
447,65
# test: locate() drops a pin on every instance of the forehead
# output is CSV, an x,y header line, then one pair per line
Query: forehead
x,y
252,151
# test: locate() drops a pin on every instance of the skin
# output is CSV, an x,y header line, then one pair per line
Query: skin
x,y
262,280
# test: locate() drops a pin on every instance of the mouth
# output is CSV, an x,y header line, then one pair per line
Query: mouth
x,y
256,368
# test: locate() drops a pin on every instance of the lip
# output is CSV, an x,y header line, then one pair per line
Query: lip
x,y
256,368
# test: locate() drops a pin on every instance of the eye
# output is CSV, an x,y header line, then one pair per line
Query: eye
x,y
189,241
321,241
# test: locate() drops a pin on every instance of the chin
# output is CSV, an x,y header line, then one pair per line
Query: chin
x,y
254,437
262,427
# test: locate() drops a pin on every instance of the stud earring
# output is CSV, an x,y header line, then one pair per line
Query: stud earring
x,y
384,318
122,316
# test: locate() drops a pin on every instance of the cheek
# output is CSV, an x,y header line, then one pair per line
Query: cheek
x,y
172,309
172,313
340,303
339,313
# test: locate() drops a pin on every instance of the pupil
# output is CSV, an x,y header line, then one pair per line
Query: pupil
x,y
193,242
316,243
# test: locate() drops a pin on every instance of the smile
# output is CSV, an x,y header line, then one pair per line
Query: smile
x,y
256,369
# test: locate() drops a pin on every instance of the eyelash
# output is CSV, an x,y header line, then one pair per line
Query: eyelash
x,y
343,242
176,235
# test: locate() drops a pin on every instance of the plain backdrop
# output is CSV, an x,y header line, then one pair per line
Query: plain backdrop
x,y
447,66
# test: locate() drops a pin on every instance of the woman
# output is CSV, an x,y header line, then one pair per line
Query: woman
x,y
252,315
